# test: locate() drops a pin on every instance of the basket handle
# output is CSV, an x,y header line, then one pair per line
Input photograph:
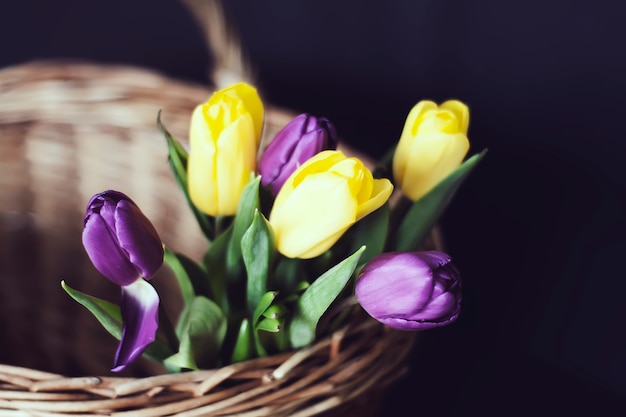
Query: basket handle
x,y
230,63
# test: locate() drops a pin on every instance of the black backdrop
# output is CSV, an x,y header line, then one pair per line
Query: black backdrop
x,y
538,228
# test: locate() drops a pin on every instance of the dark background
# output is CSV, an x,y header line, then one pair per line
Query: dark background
x,y
538,228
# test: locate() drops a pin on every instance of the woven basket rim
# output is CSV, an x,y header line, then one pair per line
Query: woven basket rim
x,y
308,381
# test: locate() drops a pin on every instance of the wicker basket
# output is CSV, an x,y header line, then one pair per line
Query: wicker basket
x,y
68,131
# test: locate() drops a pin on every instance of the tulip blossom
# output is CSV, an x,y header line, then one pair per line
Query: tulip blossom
x,y
125,247
224,137
410,290
433,143
302,138
321,200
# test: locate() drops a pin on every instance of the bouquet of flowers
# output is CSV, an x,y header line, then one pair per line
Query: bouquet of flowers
x,y
301,237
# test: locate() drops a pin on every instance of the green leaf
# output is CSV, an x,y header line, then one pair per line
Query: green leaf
x,y
110,317
107,313
264,303
270,325
316,299
192,278
178,157
215,265
201,330
248,204
288,275
257,250
371,231
275,311
425,212
243,347
298,290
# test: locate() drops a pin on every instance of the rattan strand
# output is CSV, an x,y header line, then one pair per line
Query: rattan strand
x,y
68,130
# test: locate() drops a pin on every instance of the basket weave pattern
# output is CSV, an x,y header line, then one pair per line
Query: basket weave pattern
x,y
68,131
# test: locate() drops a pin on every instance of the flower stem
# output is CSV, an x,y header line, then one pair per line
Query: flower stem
x,y
398,212
166,326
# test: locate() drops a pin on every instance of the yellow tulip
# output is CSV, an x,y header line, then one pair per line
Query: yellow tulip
x,y
433,143
224,137
321,200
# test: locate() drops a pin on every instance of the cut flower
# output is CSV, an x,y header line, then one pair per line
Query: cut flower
x,y
301,139
224,138
125,247
321,200
433,143
410,290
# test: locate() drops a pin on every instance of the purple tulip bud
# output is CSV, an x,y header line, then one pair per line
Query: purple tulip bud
x,y
125,247
410,290
120,240
302,138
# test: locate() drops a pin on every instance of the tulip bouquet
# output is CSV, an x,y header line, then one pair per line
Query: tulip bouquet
x,y
302,238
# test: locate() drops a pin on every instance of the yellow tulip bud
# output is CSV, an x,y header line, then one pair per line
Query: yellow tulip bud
x,y
224,137
433,143
321,200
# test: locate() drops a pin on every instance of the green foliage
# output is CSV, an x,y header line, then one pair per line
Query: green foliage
x,y
244,347
425,212
178,157
201,330
109,316
316,299
258,250
248,206
371,231
192,278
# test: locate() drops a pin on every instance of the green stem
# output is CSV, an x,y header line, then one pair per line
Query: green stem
x,y
217,225
165,324
397,215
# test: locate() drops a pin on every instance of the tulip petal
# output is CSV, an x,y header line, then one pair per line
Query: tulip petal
x,y
139,306
381,191
394,285
439,307
278,153
322,162
251,101
404,324
309,145
439,154
201,164
434,258
402,156
295,231
301,139
361,181
234,163
138,237
460,110
102,247
417,112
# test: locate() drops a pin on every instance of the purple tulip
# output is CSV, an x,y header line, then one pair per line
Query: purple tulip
x,y
125,247
120,240
410,290
302,138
